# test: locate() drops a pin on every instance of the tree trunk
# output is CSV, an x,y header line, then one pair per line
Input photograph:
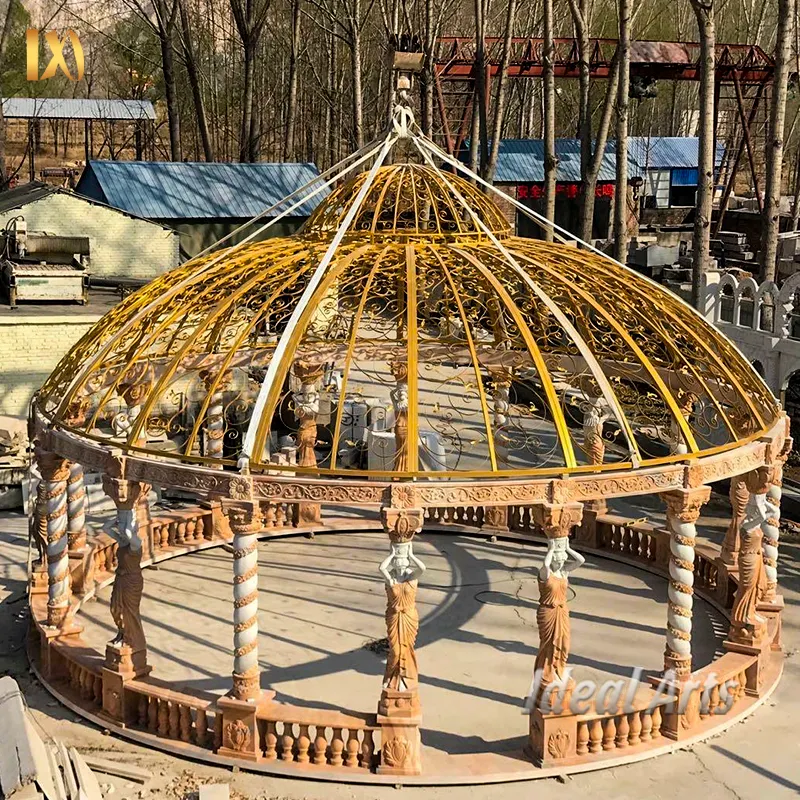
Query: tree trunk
x,y
549,122
194,83
701,244
502,87
171,92
774,157
428,74
580,22
245,143
289,147
623,88
3,43
480,86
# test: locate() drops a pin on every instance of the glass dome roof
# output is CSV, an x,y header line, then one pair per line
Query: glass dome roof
x,y
431,346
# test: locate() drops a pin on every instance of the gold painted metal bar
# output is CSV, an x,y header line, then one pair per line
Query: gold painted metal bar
x,y
348,361
487,421
559,421
412,345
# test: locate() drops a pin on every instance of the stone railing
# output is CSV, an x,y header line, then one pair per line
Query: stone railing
x,y
317,737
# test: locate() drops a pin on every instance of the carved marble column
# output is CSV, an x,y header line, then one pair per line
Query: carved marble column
x,y
738,495
55,472
245,523
748,627
399,710
501,403
76,508
771,526
677,443
214,430
306,409
683,510
399,397
38,533
126,654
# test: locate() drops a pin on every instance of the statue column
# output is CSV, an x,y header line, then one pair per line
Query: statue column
x,y
551,687
306,409
771,527
738,495
399,710
214,430
748,627
38,534
595,414
76,508
238,709
55,472
683,510
126,653
399,397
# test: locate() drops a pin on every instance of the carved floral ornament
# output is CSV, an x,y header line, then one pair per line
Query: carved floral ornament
x,y
238,734
575,488
396,752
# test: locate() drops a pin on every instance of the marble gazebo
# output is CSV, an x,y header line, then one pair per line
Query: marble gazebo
x,y
404,355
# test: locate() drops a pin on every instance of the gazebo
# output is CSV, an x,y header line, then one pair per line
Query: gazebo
x,y
405,353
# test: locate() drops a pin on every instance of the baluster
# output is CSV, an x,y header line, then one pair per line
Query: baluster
x,y
180,533
337,746
142,710
635,728
201,728
155,528
351,759
269,516
174,721
623,729
217,731
647,726
582,742
609,732
190,526
185,722
713,699
163,718
280,515
595,736
173,533
287,742
198,529
271,742
367,750
98,690
320,745
303,742
152,714
626,540
655,731
164,535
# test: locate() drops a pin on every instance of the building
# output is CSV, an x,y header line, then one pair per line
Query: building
x,y
121,245
203,202
664,167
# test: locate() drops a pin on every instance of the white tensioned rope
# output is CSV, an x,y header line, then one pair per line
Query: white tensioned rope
x,y
589,357
366,154
564,235
275,363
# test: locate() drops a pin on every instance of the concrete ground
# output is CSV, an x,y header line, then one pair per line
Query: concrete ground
x,y
322,600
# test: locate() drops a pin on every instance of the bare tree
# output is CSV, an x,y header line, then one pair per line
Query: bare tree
x,y
5,15
787,12
701,238
193,73
289,145
623,89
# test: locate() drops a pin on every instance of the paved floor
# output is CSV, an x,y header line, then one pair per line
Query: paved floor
x,y
757,759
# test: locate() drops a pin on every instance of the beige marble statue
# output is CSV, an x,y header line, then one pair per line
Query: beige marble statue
x,y
126,598
401,570
552,616
399,397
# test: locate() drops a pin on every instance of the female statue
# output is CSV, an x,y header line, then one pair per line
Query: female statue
x,y
126,598
401,570
552,616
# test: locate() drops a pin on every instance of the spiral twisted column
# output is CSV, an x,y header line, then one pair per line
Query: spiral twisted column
x,y
76,508
677,443
245,521
683,510
214,433
55,472
771,526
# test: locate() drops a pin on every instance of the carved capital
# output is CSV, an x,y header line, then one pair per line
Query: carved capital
x,y
54,468
244,517
557,521
212,379
402,523
307,372
759,479
76,412
125,494
686,504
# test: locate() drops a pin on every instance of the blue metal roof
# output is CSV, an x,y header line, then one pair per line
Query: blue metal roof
x,y
522,160
168,190
76,108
